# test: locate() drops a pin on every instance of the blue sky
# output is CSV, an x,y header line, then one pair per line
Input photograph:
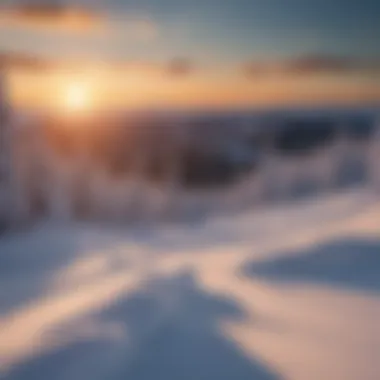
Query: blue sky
x,y
236,29
224,31
218,38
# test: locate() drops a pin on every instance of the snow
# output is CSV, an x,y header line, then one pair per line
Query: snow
x,y
288,292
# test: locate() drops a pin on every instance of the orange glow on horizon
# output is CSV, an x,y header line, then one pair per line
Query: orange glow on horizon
x,y
92,90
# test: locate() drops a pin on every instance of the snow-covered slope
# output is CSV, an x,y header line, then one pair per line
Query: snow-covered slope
x,y
290,292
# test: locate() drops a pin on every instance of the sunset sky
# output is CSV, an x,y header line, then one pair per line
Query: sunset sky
x,y
200,53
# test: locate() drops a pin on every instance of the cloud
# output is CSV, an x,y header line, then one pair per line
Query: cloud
x,y
53,17
180,67
311,65
78,20
177,67
321,64
23,61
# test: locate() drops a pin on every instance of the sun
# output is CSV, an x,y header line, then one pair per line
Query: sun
x,y
77,97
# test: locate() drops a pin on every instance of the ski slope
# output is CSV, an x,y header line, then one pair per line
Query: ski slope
x,y
289,292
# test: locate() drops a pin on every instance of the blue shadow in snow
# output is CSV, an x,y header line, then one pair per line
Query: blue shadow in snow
x,y
349,263
183,343
31,260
